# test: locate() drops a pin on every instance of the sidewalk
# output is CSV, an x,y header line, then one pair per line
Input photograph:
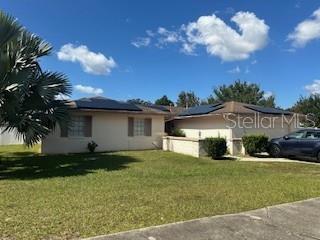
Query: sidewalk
x,y
291,221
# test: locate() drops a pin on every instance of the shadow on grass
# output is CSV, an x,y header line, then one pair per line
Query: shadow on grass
x,y
25,166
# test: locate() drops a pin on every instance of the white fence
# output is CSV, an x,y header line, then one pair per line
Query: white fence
x,y
8,138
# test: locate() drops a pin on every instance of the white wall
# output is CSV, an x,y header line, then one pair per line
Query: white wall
x,y
188,146
110,132
8,138
205,126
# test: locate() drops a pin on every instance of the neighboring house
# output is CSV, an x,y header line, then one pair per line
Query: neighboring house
x,y
230,120
9,138
113,125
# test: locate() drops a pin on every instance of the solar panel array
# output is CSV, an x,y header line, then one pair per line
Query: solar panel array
x,y
158,107
105,104
203,109
267,110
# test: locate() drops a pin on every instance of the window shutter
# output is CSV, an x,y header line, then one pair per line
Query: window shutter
x,y
130,126
64,130
88,126
148,127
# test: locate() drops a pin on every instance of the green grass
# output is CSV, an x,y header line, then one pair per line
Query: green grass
x,y
62,197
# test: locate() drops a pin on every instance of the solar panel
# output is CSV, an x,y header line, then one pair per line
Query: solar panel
x,y
158,107
203,109
105,103
267,110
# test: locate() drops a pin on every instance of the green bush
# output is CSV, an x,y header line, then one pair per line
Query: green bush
x,y
255,143
178,133
215,147
92,146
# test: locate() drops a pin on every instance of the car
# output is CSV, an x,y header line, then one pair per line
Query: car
x,y
301,143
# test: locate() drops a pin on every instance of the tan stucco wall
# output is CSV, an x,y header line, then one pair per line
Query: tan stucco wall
x,y
202,127
278,128
188,146
110,132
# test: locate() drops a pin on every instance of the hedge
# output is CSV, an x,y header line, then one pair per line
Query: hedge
x,y
255,143
215,147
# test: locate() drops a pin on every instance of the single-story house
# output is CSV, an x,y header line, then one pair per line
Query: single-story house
x,y
113,125
230,120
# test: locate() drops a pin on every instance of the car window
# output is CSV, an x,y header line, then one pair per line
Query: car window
x,y
312,135
296,135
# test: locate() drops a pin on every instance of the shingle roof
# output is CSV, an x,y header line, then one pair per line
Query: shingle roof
x,y
231,107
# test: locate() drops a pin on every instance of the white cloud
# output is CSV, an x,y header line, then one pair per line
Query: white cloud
x,y
235,70
91,62
167,36
313,88
253,62
141,42
220,40
223,41
267,94
88,90
306,30
62,97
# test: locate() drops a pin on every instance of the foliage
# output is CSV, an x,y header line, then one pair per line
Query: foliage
x,y
188,99
79,198
255,143
177,133
241,92
28,94
309,105
92,146
215,147
164,100
139,101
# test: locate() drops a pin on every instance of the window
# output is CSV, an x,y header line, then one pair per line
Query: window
x,y
296,135
313,135
139,126
80,126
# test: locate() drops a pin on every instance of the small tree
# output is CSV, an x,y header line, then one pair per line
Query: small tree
x,y
164,100
188,99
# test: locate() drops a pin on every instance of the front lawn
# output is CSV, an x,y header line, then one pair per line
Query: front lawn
x,y
53,197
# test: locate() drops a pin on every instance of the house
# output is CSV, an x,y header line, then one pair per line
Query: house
x,y
113,125
230,120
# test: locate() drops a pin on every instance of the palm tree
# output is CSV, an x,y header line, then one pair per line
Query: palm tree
x,y
28,95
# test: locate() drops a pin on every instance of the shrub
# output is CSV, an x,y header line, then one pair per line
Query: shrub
x,y
178,133
215,147
255,143
92,146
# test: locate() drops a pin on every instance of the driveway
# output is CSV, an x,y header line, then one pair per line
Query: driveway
x,y
291,221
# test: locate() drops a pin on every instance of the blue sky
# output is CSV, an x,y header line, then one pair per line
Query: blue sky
x,y
144,49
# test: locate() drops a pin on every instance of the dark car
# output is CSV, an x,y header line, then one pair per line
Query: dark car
x,y
304,143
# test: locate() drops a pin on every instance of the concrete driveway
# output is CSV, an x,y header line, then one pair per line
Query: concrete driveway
x,y
292,221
